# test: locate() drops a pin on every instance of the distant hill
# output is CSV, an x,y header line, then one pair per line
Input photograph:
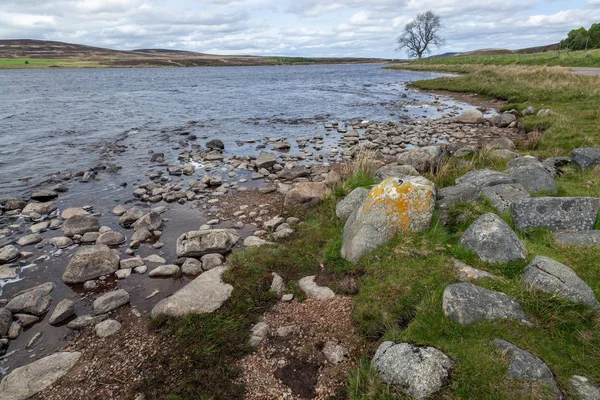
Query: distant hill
x,y
89,56
529,50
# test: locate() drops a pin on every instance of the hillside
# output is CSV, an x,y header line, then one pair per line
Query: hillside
x,y
26,53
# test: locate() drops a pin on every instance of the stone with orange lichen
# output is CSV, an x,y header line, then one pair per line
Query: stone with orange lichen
x,y
392,207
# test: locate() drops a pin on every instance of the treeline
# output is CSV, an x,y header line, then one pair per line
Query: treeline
x,y
583,39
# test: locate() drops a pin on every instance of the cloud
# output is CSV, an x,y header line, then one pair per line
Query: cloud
x,y
291,27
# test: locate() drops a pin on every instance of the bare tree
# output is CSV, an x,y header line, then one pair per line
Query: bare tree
x,y
420,33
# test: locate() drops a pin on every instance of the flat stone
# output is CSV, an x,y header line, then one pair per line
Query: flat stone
x,y
550,276
107,328
471,117
335,353
481,178
150,222
40,227
63,311
26,320
493,241
395,171
85,320
466,273
123,273
205,294
258,333
91,262
80,224
39,208
29,240
35,301
305,195
503,196
525,366
556,213
130,216
265,160
153,258
26,381
90,237
110,301
534,178
451,195
311,289
71,212
586,157
8,272
165,271
466,304
131,263
423,159
419,371
61,242
110,238
253,241
584,238
8,253
198,243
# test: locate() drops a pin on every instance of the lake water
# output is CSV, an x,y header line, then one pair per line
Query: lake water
x,y
67,120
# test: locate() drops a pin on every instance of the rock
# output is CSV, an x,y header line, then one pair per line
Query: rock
x,y
34,301
153,258
5,321
14,330
165,271
204,294
471,117
556,213
584,389
586,157
287,297
199,243
258,333
29,240
85,320
142,235
71,212
119,210
123,273
253,241
273,223
107,328
525,366
39,208
481,178
8,253
141,269
305,195
534,178
493,241
277,285
210,261
131,263
130,216
391,207
550,276
523,162
335,353
311,289
466,304
215,144
61,242
506,119
110,238
110,301
502,143
40,227
287,330
423,159
294,172
26,381
80,224
191,266
14,204
503,196
465,151
419,371
529,111
332,178
351,203
502,153
150,222
90,237
466,273
8,272
63,311
456,194
26,320
91,262
584,238
265,160
395,171
90,285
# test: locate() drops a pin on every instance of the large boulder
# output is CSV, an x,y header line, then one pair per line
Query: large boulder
x,y
392,207
525,366
395,171
205,294
91,262
473,116
150,222
583,238
493,241
586,157
550,276
503,196
198,243
265,160
466,304
556,213
305,195
481,178
110,238
419,371
24,382
80,224
534,178
423,159
35,301
351,203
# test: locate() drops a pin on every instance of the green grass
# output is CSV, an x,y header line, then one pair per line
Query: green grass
x,y
36,63
590,58
292,60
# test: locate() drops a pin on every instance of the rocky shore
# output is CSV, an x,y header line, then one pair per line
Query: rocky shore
x,y
79,266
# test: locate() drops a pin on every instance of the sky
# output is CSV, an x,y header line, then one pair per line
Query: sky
x,y
309,28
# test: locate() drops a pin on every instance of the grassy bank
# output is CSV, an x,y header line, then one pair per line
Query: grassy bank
x,y
400,285
590,58
37,63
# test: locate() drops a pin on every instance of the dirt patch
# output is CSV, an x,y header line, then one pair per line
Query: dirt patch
x,y
239,206
469,98
284,364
